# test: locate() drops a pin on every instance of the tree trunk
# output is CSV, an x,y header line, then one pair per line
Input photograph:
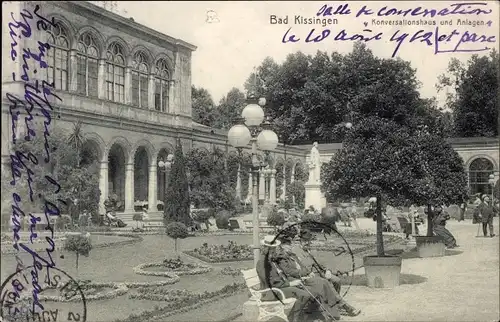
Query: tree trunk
x,y
77,255
380,238
430,218
175,245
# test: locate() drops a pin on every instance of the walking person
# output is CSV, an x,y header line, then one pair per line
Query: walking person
x,y
485,212
463,209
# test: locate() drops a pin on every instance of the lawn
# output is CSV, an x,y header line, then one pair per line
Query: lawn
x,y
116,264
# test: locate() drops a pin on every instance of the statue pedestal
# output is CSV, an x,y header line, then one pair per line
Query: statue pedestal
x,y
314,196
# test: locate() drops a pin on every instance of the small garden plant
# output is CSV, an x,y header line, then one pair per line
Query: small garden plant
x,y
177,230
78,244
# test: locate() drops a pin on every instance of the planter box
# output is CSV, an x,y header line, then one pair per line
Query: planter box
x,y
430,246
382,272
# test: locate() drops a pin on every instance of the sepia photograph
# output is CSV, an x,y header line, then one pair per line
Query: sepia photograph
x,y
246,161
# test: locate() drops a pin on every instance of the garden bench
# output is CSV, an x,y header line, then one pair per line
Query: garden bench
x,y
267,309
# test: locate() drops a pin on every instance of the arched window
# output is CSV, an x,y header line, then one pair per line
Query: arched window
x,y
115,78
58,57
161,86
479,173
140,81
88,66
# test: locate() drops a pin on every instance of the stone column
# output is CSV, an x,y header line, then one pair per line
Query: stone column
x,y
152,188
73,68
283,186
103,185
262,185
171,97
292,179
272,187
238,182
128,86
151,92
101,81
129,187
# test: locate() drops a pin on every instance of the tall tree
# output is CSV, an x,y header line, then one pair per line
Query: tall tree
x,y
475,101
311,97
203,107
229,109
177,202
400,165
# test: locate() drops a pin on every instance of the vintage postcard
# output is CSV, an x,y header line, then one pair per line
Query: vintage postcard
x,y
250,161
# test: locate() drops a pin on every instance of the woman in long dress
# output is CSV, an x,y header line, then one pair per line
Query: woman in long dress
x,y
439,223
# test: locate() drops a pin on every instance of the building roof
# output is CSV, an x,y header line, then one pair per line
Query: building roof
x,y
455,142
130,22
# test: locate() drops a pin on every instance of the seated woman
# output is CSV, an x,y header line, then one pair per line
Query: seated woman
x,y
439,223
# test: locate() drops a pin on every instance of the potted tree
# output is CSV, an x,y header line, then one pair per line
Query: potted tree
x,y
384,159
443,182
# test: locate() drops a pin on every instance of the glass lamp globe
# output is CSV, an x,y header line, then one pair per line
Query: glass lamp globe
x,y
170,158
348,125
239,136
267,140
161,164
262,101
253,115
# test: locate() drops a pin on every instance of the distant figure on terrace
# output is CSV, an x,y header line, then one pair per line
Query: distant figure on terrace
x,y
439,223
111,204
485,212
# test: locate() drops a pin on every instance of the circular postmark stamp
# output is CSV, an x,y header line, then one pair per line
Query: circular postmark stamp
x,y
38,293
297,259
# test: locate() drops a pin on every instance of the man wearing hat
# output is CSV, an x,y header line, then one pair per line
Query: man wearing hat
x,y
320,287
485,211
309,263
270,275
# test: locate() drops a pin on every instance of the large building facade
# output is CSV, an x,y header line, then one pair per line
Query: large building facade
x,y
130,87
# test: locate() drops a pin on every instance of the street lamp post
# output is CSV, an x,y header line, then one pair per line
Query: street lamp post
x,y
258,133
164,167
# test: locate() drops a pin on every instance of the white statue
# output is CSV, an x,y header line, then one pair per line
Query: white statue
x,y
314,164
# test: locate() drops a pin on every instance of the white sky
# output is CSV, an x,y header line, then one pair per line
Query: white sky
x,y
243,37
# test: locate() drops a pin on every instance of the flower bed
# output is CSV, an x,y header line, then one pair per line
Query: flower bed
x,y
230,271
172,267
171,280
181,305
222,253
133,239
93,292
357,246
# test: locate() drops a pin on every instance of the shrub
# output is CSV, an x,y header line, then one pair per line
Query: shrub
x,y
310,221
177,230
64,222
276,219
83,220
222,219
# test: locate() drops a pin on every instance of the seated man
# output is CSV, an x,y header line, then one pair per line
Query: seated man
x,y
308,260
321,287
270,276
